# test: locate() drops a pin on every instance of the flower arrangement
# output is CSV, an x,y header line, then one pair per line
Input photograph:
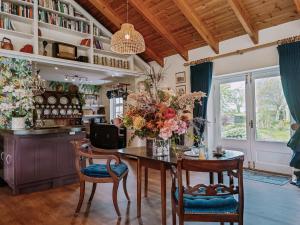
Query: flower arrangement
x,y
159,113
15,100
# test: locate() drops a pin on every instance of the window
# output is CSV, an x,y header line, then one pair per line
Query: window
x,y
116,108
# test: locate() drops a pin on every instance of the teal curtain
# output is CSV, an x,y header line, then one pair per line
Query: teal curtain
x,y
289,62
201,78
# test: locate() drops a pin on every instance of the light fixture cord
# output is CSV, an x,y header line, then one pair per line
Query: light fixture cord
x,y
127,11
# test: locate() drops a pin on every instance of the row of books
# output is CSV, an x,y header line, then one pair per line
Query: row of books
x,y
97,31
6,23
61,21
19,10
60,6
112,62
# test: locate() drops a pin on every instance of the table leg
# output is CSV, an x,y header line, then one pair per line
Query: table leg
x,y
139,187
187,173
220,178
163,194
146,182
211,178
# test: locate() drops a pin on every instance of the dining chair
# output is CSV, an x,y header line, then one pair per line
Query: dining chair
x,y
215,202
112,172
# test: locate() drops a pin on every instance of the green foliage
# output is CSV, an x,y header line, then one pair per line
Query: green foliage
x,y
234,131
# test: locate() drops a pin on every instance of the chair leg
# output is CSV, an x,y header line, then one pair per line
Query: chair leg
x,y
231,223
93,192
115,197
146,182
81,196
221,223
125,187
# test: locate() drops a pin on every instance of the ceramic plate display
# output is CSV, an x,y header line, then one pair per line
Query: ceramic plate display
x,y
47,112
51,100
63,100
59,106
76,112
69,112
39,99
54,112
39,111
75,101
62,112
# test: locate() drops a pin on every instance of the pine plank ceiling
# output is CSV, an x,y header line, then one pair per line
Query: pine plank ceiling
x,y
176,26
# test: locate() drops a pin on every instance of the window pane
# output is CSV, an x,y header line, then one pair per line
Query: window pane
x,y
233,110
272,113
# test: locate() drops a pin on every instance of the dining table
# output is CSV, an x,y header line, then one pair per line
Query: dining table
x,y
145,159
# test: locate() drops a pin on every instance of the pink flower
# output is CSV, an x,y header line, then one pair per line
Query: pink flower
x,y
169,113
182,127
171,124
165,133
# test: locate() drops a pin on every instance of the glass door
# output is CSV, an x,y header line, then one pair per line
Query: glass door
x,y
232,115
252,116
271,123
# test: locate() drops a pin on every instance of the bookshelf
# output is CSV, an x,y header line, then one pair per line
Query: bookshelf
x,y
60,26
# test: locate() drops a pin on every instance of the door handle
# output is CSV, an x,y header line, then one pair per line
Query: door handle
x,y
8,158
251,125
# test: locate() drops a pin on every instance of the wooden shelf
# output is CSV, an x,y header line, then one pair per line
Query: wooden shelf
x,y
16,33
18,18
64,14
51,40
62,29
20,2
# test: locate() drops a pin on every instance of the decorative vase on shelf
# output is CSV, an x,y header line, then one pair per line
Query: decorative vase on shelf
x,y
18,123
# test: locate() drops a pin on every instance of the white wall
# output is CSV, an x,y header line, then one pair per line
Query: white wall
x,y
260,58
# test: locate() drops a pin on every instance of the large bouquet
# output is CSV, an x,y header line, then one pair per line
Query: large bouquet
x,y
159,113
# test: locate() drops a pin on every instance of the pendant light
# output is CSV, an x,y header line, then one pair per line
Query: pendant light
x,y
127,40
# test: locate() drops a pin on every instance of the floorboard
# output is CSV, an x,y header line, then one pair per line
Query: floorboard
x,y
265,204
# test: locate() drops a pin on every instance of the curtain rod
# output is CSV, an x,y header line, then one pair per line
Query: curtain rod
x,y
242,51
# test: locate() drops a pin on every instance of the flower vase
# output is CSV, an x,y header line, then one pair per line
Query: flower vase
x,y
161,147
18,123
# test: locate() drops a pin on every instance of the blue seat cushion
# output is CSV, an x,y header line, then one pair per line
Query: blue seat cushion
x,y
100,171
209,204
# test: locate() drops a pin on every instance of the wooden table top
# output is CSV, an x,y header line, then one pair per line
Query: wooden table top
x,y
141,152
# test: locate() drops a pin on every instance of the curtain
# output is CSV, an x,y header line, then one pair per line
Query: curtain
x,y
201,78
289,56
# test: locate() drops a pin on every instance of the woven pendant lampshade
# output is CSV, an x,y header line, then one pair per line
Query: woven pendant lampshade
x,y
127,40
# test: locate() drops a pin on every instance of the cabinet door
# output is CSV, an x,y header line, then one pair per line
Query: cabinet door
x,y
36,158
8,160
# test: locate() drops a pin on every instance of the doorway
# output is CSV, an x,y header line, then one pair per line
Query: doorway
x,y
252,116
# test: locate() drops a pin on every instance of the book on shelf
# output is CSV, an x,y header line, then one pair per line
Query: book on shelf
x,y
97,31
97,44
15,9
60,6
55,19
6,23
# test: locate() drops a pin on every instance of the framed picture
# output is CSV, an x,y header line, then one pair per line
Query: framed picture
x,y
180,90
180,77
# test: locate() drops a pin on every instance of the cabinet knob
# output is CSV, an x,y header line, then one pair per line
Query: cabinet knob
x,y
8,158
2,156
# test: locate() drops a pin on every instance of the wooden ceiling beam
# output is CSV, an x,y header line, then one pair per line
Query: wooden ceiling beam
x,y
111,15
244,18
139,6
197,23
297,3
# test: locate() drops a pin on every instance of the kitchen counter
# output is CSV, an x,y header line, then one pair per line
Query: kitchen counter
x,y
38,131
39,159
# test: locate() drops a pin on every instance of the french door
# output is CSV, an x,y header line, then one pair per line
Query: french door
x,y
252,116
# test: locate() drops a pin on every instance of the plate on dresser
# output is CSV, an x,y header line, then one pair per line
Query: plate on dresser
x,y
51,100
39,99
47,112
63,100
69,112
54,112
62,112
75,101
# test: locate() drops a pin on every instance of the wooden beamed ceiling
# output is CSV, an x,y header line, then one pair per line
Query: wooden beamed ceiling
x,y
176,26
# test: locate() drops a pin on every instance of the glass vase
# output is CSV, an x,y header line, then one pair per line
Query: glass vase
x,y
161,147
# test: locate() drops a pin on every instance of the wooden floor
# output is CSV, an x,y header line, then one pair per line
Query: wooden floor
x,y
265,204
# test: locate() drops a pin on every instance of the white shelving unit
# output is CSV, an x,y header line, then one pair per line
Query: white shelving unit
x,y
27,32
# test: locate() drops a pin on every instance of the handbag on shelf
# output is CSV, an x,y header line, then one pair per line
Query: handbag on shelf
x,y
7,44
